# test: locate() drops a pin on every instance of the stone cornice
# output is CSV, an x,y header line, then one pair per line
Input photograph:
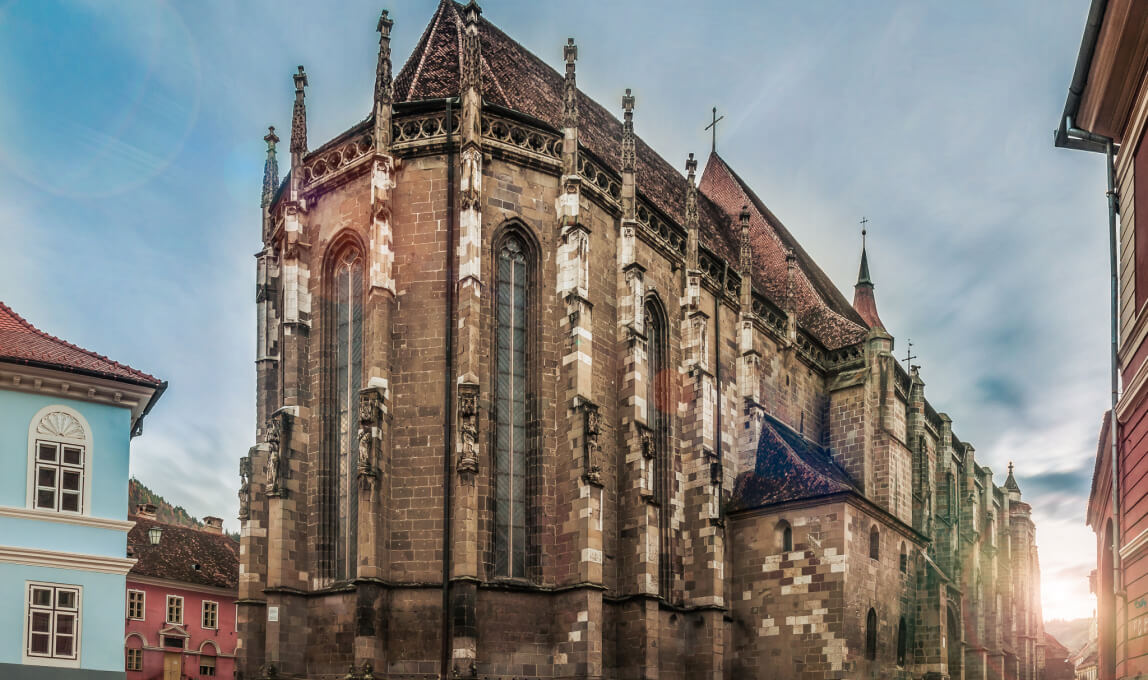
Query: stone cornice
x,y
66,385
63,518
65,560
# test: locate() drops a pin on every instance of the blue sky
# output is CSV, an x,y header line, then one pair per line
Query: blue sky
x,y
131,165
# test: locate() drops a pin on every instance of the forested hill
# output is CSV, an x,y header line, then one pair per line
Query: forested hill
x,y
164,512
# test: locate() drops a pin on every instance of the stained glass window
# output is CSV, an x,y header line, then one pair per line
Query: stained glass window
x,y
657,417
347,380
511,405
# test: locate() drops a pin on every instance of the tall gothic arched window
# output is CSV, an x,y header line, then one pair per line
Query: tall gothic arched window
x,y
513,405
658,416
344,379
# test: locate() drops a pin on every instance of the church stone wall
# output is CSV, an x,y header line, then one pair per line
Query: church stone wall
x,y
591,605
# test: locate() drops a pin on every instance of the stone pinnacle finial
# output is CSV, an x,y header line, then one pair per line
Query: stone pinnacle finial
x,y
629,146
570,52
299,115
270,168
743,217
691,168
746,252
383,80
470,13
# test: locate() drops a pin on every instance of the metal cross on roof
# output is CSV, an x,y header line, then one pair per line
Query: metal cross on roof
x,y
713,126
864,230
909,356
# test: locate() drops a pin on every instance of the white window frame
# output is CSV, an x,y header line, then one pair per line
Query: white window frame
x,y
127,654
203,614
143,605
50,659
167,609
40,430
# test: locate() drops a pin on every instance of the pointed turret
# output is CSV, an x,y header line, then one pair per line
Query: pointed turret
x,y
1011,484
298,132
270,168
745,262
384,84
863,299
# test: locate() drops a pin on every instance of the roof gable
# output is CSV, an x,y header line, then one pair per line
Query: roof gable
x,y
788,467
821,308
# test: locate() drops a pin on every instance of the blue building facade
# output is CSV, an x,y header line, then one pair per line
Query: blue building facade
x,y
66,419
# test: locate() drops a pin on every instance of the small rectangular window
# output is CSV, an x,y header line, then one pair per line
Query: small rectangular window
x,y
136,599
207,666
210,618
53,614
134,660
174,609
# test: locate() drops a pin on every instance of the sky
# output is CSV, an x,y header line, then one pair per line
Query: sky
x,y
132,156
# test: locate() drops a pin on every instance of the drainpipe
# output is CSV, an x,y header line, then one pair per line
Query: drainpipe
x,y
448,393
1084,140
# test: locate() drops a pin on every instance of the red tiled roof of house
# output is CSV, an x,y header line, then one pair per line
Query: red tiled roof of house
x,y
515,78
21,342
789,467
184,554
821,308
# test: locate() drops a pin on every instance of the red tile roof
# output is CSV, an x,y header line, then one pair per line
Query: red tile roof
x,y
515,78
788,467
180,551
23,343
821,308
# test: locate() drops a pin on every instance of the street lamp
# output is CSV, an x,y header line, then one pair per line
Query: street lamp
x,y
154,534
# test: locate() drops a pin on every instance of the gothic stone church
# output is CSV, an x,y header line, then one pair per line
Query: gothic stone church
x,y
534,404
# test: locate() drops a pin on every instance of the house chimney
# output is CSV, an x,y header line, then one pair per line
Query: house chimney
x,y
145,510
212,525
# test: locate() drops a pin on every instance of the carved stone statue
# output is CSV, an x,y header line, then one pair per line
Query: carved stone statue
x,y
370,412
244,487
468,428
274,455
591,454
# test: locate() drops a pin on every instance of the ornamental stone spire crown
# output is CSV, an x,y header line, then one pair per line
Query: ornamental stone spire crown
x,y
629,154
384,84
299,118
470,76
691,214
570,86
746,254
270,168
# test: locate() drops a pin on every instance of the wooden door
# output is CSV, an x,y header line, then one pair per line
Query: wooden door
x,y
172,665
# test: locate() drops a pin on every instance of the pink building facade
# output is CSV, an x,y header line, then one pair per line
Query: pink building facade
x,y
180,602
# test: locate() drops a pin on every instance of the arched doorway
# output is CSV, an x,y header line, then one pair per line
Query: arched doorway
x,y
954,644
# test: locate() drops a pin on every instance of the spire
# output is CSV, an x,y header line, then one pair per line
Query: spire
x,y
863,274
1010,483
270,168
629,157
745,263
299,118
384,84
470,76
864,300
570,86
746,254
691,215
570,111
